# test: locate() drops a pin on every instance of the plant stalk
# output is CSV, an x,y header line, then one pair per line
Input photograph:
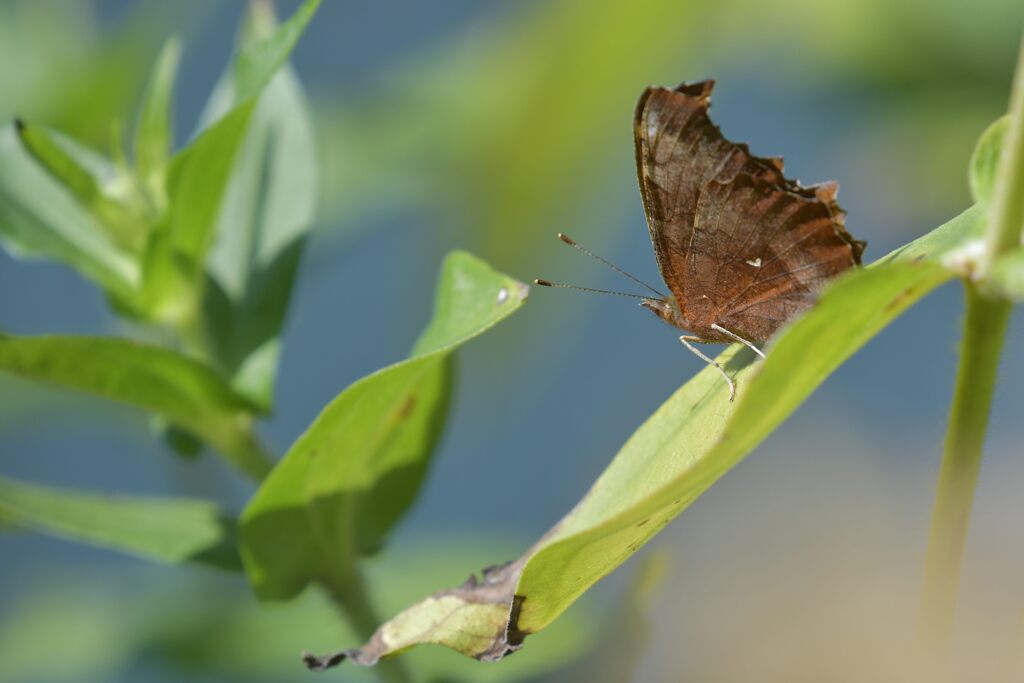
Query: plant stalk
x,y
985,325
984,333
243,449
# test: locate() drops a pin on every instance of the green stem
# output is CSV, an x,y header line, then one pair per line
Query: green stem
x,y
352,598
984,330
243,449
984,333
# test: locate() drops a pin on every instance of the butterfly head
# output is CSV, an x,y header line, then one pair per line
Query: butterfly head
x,y
667,309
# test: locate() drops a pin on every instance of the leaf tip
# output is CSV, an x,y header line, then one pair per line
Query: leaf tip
x,y
314,663
522,292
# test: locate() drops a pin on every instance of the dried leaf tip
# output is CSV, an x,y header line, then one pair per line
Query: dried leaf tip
x,y
314,663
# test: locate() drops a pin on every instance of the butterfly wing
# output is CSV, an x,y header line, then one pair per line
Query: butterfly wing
x,y
758,256
680,153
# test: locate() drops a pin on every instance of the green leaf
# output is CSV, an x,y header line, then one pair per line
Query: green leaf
x,y
266,215
625,633
985,160
172,530
124,227
196,183
185,392
154,132
198,179
348,479
677,454
260,59
40,218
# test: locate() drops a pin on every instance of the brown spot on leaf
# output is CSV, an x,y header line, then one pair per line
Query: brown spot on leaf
x,y
407,407
898,301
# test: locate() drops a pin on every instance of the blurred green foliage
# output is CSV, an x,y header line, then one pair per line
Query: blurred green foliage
x,y
64,70
504,133
207,624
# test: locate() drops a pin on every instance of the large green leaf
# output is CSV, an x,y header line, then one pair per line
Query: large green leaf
x,y
266,215
349,478
169,530
680,451
40,218
185,392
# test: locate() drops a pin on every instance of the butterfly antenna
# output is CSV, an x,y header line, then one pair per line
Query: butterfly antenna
x,y
579,247
548,283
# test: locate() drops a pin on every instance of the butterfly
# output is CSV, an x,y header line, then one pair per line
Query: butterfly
x,y
741,248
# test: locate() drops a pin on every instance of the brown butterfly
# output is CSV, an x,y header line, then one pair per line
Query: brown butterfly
x,y
742,248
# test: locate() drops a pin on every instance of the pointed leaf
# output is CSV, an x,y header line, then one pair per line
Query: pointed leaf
x,y
154,132
197,180
677,454
125,228
260,59
199,175
349,478
266,215
40,219
172,530
185,392
985,160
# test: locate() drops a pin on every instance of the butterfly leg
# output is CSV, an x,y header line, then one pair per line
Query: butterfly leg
x,y
741,340
686,339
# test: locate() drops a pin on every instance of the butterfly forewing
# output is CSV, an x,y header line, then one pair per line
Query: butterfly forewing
x,y
738,244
